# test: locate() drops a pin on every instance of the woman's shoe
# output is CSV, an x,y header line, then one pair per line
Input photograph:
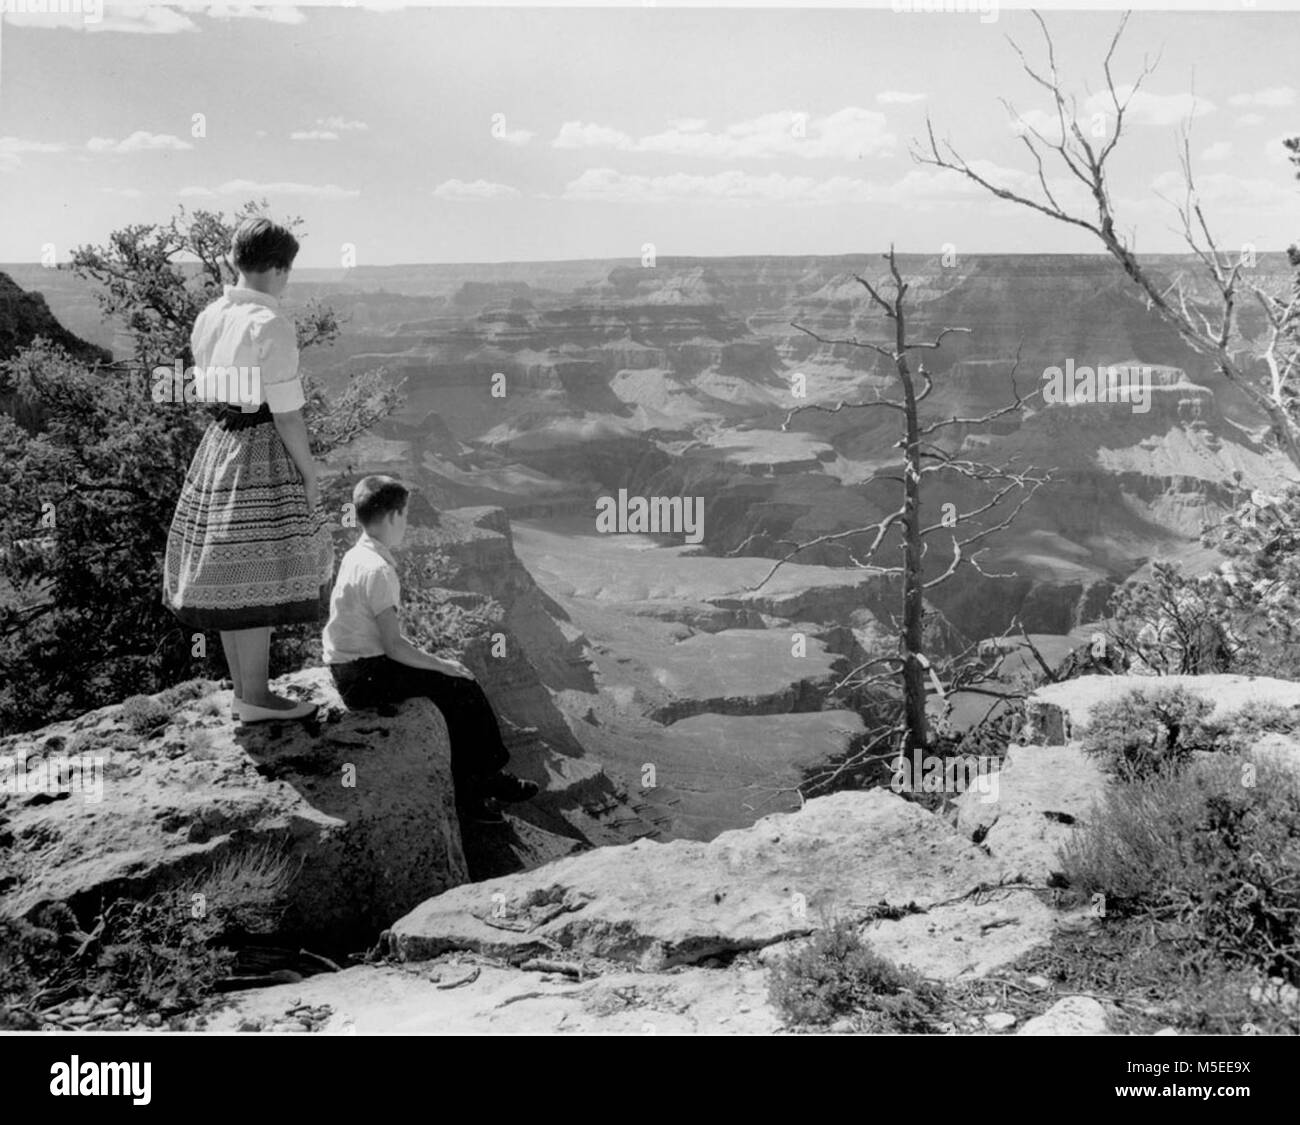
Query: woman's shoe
x,y
249,713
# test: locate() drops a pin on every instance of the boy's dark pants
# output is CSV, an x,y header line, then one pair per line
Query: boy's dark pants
x,y
477,750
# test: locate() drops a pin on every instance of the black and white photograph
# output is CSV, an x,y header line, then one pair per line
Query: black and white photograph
x,y
650,519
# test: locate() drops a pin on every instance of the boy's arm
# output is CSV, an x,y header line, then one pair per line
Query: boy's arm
x,y
398,648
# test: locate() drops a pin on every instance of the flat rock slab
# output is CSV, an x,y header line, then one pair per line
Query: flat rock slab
x,y
407,1000
659,905
1061,711
1042,792
966,939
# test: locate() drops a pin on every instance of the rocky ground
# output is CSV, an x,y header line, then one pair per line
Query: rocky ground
x,y
643,938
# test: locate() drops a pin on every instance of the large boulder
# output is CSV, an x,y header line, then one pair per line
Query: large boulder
x,y
1042,792
859,855
359,803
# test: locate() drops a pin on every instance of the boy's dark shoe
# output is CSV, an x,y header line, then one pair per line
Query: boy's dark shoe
x,y
480,812
508,788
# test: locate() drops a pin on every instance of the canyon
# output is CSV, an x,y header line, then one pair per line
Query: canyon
x,y
532,390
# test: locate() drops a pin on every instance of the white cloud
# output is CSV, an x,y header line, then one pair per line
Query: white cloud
x,y
276,13
517,137
1224,192
139,141
574,134
919,189
1146,108
341,124
125,193
1276,151
11,149
1220,150
607,185
847,134
140,20
1275,97
474,190
1098,113
898,97
1247,119
251,188
328,129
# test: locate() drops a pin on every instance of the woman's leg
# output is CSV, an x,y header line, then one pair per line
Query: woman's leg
x,y
229,642
254,653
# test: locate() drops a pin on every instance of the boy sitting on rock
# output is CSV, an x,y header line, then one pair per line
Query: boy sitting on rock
x,y
372,662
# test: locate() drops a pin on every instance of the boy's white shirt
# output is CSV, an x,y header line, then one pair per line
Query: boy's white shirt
x,y
367,584
245,328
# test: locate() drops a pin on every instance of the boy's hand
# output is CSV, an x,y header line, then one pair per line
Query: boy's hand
x,y
454,668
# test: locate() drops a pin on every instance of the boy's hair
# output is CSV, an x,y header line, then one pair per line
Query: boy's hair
x,y
374,497
259,245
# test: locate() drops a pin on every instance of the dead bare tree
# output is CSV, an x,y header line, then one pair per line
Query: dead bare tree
x,y
1211,329
922,457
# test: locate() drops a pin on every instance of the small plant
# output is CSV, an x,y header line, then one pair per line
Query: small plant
x,y
245,889
143,714
1145,732
836,974
174,697
1241,729
1214,846
164,952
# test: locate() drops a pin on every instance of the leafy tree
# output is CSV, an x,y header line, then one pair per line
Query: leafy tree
x,y
1174,625
91,471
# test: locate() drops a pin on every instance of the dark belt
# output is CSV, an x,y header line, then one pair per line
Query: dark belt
x,y
233,418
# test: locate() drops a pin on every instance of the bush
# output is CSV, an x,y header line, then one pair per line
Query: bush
x,y
143,714
1241,729
1144,732
1214,846
164,952
836,974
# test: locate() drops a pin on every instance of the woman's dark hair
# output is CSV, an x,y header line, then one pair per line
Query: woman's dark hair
x,y
374,497
260,245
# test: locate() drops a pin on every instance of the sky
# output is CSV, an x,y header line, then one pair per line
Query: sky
x,y
521,134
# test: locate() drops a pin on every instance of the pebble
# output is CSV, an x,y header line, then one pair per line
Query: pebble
x,y
999,1021
1038,982
1278,992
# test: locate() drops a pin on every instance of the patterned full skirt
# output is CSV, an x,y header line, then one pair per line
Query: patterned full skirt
x,y
243,550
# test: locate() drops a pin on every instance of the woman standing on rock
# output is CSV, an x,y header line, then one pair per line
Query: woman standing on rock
x,y
249,546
